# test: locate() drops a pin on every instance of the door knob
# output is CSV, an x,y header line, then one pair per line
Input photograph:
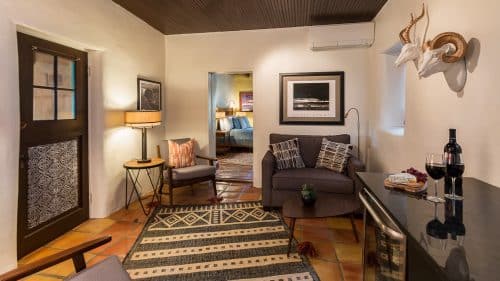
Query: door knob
x,y
24,124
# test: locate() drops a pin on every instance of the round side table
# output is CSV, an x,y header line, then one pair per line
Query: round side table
x,y
133,170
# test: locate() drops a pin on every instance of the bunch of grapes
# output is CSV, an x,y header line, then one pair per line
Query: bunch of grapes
x,y
421,177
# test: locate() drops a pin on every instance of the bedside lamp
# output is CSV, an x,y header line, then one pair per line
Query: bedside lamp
x,y
357,115
143,120
220,114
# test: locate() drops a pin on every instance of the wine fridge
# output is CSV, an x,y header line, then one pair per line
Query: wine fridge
x,y
384,250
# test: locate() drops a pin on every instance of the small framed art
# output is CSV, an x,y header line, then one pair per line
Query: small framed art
x,y
148,95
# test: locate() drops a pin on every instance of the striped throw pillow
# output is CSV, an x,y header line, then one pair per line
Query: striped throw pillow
x,y
181,155
333,155
287,154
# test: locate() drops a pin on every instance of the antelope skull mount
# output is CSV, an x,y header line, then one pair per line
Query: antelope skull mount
x,y
445,53
410,51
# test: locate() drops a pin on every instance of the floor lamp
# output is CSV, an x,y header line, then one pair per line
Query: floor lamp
x,y
357,115
143,120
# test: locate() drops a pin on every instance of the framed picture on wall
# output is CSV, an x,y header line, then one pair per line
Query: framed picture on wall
x,y
312,98
148,94
246,101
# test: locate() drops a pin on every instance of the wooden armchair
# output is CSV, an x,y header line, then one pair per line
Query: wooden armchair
x,y
108,269
179,177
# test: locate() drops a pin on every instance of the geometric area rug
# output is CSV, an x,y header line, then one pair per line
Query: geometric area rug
x,y
231,241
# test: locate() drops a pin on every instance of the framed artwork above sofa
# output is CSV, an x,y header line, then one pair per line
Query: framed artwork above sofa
x,y
312,98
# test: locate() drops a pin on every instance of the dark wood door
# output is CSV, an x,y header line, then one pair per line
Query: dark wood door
x,y
53,165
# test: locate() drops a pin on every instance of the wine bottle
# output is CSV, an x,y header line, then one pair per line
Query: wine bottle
x,y
453,149
454,219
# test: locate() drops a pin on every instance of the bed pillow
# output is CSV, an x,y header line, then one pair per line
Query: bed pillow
x,y
287,154
181,155
236,123
226,124
333,156
245,124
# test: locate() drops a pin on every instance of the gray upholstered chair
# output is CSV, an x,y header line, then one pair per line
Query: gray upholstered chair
x,y
280,185
109,269
179,177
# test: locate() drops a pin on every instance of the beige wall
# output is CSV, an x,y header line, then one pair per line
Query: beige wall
x,y
126,46
266,53
431,107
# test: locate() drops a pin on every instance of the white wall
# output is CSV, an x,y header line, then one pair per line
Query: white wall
x,y
431,107
266,53
127,47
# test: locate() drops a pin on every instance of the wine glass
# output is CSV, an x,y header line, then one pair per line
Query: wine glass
x,y
436,230
454,168
436,168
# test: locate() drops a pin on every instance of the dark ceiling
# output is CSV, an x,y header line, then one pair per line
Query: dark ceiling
x,y
196,16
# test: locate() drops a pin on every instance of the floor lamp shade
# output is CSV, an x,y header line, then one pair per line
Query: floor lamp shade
x,y
143,120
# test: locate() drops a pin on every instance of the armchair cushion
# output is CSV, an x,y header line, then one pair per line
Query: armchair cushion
x,y
110,269
192,172
323,180
181,155
333,156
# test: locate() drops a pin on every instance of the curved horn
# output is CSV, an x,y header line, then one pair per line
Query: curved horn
x,y
450,37
404,35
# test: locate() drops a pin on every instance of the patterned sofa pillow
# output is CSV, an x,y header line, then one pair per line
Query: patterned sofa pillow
x,y
287,154
181,155
333,155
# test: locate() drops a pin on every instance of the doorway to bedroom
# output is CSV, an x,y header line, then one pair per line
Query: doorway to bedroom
x,y
232,130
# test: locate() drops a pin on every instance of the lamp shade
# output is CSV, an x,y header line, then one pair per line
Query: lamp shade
x,y
142,119
220,114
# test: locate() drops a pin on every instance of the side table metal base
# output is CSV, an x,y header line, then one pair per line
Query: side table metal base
x,y
134,179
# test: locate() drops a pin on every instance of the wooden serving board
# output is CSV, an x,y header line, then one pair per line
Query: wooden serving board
x,y
408,187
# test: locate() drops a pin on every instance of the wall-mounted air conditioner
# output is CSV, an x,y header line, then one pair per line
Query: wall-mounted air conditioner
x,y
355,35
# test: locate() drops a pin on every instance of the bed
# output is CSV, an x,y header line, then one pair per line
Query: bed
x,y
237,130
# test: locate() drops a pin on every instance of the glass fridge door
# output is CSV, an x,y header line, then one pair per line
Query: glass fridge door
x,y
384,252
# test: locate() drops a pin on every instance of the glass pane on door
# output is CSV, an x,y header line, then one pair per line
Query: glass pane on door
x,y
43,104
53,181
65,105
65,73
43,70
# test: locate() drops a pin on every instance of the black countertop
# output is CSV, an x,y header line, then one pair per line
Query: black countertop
x,y
466,236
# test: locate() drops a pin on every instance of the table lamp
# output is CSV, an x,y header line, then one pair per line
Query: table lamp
x,y
357,115
143,120
220,114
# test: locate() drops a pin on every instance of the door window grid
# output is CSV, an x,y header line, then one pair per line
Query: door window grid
x,y
53,95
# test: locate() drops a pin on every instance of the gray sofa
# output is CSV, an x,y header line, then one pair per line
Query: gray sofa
x,y
279,185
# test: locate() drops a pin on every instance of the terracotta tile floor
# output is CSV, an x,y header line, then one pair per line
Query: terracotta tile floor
x,y
339,255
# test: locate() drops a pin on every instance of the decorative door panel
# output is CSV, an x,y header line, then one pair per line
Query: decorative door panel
x,y
53,186
53,165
